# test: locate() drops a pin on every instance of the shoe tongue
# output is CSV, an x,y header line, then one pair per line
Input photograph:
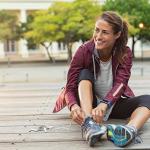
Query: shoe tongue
x,y
87,119
91,122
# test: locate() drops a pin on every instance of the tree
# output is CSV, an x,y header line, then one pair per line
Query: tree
x,y
80,22
77,21
64,23
8,26
135,12
89,11
67,24
42,29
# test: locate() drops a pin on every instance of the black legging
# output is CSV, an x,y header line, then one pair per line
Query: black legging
x,y
125,106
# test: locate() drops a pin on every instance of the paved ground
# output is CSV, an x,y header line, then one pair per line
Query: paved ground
x,y
27,122
45,72
27,97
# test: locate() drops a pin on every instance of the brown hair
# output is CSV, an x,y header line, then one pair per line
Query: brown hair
x,y
118,25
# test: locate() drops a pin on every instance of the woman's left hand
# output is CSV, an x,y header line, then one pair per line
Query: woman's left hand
x,y
99,112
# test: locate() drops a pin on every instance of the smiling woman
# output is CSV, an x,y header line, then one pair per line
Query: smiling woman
x,y
104,39
97,85
110,32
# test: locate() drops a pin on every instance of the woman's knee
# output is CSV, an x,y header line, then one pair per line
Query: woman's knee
x,y
85,74
144,100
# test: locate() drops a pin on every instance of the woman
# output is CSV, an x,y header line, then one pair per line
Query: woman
x,y
97,85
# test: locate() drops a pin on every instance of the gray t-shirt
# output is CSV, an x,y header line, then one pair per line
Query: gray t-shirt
x,y
104,80
104,83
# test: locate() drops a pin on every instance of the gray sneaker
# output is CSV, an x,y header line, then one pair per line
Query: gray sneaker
x,y
92,131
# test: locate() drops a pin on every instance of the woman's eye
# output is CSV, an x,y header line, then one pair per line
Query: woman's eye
x,y
105,32
97,31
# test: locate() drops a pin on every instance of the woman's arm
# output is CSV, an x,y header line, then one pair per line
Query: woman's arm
x,y
123,73
77,64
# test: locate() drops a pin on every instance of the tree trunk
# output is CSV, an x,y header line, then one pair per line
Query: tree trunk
x,y
69,48
49,55
133,44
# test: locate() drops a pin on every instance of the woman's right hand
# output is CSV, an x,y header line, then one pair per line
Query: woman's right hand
x,y
77,114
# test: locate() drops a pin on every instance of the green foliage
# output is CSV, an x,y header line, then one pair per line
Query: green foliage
x,y
88,11
8,26
136,12
65,22
43,28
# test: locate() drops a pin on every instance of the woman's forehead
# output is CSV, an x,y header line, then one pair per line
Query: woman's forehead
x,y
103,24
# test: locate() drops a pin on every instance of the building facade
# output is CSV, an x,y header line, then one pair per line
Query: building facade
x,y
22,8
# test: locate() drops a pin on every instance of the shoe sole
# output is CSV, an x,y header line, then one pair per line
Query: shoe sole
x,y
119,140
95,138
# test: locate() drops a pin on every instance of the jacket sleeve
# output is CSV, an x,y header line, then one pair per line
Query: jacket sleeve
x,y
77,64
123,72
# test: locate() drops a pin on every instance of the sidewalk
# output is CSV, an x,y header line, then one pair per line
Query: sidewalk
x,y
50,72
27,121
27,96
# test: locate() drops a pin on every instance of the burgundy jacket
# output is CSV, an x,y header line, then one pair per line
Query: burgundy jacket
x,y
85,58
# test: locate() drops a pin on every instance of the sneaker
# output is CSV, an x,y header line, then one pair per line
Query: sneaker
x,y
120,135
92,131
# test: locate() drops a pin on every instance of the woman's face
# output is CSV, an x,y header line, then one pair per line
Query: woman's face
x,y
104,36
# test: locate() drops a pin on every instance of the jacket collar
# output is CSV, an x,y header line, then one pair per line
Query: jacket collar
x,y
95,52
91,47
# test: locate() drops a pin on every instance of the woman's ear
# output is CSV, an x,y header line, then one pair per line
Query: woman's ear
x,y
117,35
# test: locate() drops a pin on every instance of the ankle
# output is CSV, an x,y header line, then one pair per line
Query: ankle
x,y
132,127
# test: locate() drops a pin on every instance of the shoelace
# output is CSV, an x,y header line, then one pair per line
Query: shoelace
x,y
138,139
84,128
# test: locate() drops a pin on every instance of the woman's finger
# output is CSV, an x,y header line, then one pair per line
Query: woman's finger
x,y
76,116
97,112
94,114
81,115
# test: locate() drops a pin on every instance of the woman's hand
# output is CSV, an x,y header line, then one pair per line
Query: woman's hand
x,y
77,114
99,112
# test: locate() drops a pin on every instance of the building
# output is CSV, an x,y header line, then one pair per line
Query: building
x,y
22,8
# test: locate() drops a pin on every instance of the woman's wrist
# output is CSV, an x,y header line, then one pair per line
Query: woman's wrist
x,y
73,107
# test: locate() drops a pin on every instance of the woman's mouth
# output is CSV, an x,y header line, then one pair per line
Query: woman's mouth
x,y
99,42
